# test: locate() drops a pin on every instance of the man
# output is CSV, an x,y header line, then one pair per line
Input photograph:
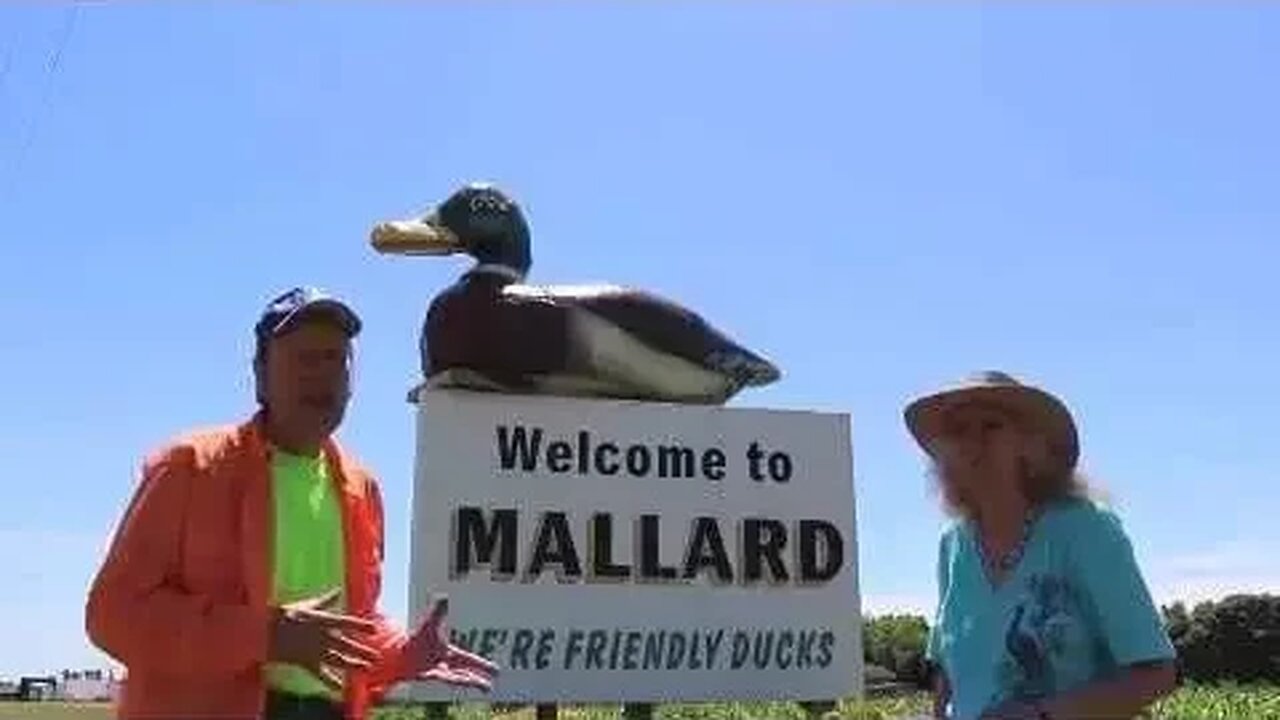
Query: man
x,y
243,579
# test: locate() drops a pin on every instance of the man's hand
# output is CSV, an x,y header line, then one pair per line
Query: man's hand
x,y
306,633
428,655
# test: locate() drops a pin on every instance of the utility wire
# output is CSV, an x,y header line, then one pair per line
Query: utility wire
x,y
8,62
51,74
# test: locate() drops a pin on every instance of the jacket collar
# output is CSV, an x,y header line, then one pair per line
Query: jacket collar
x,y
341,464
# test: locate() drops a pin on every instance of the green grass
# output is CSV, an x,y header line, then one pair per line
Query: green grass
x,y
1189,703
1223,702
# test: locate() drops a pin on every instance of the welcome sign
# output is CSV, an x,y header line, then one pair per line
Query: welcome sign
x,y
606,550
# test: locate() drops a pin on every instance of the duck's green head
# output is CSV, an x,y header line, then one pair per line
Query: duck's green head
x,y
478,220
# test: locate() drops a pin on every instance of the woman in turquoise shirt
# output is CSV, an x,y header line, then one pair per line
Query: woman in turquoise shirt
x,y
1042,610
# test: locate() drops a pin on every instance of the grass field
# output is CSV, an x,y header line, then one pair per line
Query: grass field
x,y
1190,703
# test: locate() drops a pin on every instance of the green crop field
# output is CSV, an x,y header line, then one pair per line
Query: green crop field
x,y
1209,703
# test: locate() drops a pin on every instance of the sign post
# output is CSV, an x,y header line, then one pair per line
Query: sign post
x,y
629,552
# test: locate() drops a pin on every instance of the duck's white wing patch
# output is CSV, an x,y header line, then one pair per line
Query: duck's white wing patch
x,y
534,292
615,354
462,378
582,386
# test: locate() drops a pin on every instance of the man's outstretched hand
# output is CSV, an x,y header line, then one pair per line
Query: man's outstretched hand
x,y
428,655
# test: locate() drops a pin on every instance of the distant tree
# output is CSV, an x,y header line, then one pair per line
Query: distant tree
x,y
1234,639
897,643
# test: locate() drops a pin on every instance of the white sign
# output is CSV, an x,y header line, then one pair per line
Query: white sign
x,y
605,551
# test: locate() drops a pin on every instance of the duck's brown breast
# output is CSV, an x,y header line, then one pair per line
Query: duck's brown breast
x,y
474,325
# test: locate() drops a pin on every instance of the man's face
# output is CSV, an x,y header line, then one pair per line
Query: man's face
x,y
306,377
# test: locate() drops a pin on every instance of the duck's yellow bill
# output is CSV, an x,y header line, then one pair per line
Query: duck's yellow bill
x,y
414,237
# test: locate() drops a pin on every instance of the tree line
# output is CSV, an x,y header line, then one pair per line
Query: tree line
x,y
1233,639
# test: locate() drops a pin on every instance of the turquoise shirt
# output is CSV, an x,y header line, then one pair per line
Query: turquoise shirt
x,y
1074,609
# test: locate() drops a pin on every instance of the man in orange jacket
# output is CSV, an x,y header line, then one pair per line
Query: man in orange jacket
x,y
243,579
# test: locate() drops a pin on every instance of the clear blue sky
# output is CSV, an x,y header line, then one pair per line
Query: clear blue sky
x,y
881,199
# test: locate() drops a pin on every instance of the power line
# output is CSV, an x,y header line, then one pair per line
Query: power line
x,y
8,62
51,74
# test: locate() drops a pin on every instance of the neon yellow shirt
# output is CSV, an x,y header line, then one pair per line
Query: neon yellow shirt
x,y
308,550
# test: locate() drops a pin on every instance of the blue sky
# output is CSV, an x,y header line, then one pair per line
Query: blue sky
x,y
882,199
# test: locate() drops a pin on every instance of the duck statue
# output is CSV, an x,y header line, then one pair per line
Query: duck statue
x,y
492,331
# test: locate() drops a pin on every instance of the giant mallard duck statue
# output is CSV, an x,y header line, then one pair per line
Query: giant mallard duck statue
x,y
492,331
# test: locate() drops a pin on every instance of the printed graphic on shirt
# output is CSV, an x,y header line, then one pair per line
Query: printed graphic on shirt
x,y
1045,623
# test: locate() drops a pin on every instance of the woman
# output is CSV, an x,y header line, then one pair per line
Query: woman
x,y
1043,612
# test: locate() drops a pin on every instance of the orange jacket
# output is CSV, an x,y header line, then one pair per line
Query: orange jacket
x,y
182,597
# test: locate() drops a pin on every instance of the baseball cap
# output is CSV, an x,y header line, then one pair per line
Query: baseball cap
x,y
286,310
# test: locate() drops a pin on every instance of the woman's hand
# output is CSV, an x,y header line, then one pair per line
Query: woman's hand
x,y
941,693
428,655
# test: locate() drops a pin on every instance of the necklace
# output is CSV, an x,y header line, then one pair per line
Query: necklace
x,y
998,567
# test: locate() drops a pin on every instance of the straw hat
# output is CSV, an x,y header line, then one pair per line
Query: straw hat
x,y
1030,405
